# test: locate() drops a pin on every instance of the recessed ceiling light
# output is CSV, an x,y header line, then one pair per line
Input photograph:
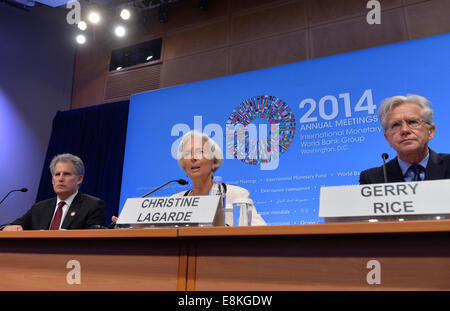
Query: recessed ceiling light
x,y
81,39
82,25
120,31
94,17
125,14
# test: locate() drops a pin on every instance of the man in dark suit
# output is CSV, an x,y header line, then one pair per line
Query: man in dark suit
x,y
408,127
71,209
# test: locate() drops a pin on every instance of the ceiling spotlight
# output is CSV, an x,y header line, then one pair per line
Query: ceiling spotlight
x,y
81,39
82,25
125,14
120,31
94,17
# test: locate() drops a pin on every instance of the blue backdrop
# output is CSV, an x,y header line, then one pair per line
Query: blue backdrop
x,y
328,108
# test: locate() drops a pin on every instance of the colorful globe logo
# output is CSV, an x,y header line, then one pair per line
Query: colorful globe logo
x,y
264,108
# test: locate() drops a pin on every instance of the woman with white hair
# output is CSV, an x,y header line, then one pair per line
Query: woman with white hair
x,y
200,157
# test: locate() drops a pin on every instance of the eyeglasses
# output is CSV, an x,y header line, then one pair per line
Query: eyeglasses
x,y
411,123
196,154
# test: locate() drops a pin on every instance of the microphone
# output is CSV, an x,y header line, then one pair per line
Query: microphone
x,y
180,181
384,156
21,190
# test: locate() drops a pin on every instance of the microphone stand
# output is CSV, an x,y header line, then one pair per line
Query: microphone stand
x,y
154,190
22,190
384,156
180,181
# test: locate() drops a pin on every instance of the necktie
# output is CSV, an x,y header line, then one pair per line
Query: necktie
x,y
416,169
57,218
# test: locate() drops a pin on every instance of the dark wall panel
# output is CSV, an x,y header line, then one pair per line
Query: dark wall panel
x,y
234,36
326,11
195,68
356,34
269,52
428,18
123,83
268,22
197,39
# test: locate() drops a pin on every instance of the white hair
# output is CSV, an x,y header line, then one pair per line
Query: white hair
x,y
211,148
390,103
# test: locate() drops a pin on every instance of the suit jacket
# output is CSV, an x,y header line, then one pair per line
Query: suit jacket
x,y
85,212
438,167
233,193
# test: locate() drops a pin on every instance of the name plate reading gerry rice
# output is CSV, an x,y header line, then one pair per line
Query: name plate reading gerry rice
x,y
169,211
386,200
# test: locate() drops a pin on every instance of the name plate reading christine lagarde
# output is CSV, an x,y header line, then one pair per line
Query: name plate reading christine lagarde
x,y
169,210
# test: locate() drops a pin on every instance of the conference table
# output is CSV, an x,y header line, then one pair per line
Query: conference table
x,y
409,255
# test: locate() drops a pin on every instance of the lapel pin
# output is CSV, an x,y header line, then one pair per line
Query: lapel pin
x,y
72,214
